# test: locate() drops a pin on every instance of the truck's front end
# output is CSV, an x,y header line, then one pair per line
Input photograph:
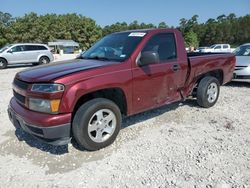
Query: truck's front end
x,y
35,107
40,103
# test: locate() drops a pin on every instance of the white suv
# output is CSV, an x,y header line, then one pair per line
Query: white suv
x,y
25,53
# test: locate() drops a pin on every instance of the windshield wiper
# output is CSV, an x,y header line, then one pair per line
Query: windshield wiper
x,y
97,58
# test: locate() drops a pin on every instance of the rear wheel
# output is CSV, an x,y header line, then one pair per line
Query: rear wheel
x,y
44,60
208,91
3,63
96,124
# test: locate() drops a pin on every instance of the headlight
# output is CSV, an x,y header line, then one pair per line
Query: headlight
x,y
47,88
46,106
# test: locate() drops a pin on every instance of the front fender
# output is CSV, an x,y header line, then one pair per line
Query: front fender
x,y
121,80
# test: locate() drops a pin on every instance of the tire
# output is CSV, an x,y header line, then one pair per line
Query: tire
x,y
89,124
44,60
208,92
3,63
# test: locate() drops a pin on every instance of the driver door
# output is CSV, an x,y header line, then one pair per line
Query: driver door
x,y
16,54
154,84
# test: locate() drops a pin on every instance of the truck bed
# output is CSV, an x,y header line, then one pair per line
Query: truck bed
x,y
203,63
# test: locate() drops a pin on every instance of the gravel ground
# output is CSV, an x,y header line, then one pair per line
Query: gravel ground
x,y
180,145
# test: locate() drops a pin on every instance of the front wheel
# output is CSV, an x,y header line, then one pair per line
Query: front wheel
x,y
3,63
96,124
208,91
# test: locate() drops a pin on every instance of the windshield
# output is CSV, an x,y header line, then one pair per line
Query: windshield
x,y
212,46
114,47
242,50
4,48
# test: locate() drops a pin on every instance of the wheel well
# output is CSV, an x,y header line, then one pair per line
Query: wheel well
x,y
114,94
216,73
4,59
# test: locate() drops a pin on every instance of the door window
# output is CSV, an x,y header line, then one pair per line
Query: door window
x,y
225,46
217,47
41,48
33,48
18,49
30,48
164,45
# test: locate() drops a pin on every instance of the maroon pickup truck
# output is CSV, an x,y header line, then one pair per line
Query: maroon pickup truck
x,y
123,74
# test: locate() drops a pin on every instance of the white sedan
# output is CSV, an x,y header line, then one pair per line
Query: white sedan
x,y
242,67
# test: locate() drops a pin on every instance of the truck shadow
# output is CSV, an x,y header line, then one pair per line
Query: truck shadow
x,y
144,116
52,159
245,83
20,66
127,121
33,142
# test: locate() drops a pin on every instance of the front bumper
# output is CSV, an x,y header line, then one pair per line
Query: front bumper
x,y
54,134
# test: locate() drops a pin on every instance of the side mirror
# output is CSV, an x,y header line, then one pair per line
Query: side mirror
x,y
148,57
10,51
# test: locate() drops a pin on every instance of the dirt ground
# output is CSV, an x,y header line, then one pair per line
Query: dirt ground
x,y
179,145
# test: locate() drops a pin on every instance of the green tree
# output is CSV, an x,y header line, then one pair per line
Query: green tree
x,y
118,26
191,39
34,28
163,25
6,20
124,26
187,27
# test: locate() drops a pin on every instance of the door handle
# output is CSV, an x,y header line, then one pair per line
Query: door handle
x,y
175,67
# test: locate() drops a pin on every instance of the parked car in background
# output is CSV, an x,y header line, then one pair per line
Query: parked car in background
x,y
242,68
218,48
25,53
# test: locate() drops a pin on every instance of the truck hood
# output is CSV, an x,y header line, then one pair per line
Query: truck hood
x,y
49,72
242,60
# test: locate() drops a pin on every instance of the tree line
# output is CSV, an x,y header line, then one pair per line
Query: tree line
x,y
44,28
